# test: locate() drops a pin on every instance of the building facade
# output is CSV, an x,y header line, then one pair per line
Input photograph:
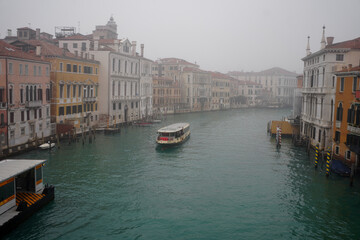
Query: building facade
x,y
166,95
24,96
220,90
319,87
346,124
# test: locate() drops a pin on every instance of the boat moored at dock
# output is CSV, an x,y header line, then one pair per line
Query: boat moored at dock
x,y
22,191
173,134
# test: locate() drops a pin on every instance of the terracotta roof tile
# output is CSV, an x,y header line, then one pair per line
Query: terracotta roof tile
x,y
11,51
353,44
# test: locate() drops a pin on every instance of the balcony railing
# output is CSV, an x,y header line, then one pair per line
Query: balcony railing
x,y
338,124
353,129
3,105
89,99
33,104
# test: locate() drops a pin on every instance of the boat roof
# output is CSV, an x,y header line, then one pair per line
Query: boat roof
x,y
12,167
173,127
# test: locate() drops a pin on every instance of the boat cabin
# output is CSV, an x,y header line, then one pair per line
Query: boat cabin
x,y
19,176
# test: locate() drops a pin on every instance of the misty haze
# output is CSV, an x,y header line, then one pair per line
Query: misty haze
x,y
179,120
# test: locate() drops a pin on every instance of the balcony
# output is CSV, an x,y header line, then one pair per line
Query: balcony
x,y
317,90
353,129
89,99
33,104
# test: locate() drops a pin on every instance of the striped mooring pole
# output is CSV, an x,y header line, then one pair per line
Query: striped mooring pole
x,y
328,163
316,156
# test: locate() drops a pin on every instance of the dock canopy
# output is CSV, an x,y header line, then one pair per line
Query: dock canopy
x,y
12,167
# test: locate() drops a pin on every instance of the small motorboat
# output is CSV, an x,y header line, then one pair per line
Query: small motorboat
x,y
47,145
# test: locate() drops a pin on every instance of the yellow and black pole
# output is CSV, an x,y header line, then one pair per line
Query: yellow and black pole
x,y
328,163
316,156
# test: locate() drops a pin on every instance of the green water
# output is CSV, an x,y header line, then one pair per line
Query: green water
x,y
228,181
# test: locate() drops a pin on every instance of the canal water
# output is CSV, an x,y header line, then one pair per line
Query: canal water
x,y
228,181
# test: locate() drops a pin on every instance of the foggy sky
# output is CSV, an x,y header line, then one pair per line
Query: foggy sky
x,y
219,35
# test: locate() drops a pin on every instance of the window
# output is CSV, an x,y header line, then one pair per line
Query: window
x,y
35,113
21,95
61,67
74,68
74,91
10,68
74,109
79,68
22,130
65,45
7,190
39,70
125,66
337,136
11,117
119,105
339,57
75,45
61,111
342,82
83,46
47,71
40,94
47,94
40,127
40,113
114,106
68,110
68,91
22,116
10,96
20,69
348,155
119,66
319,137
68,67
79,108
34,71
26,69
354,84
113,65
28,114
79,91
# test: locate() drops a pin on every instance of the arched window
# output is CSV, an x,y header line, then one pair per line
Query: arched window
x,y
27,93
357,118
31,93
351,114
339,112
2,122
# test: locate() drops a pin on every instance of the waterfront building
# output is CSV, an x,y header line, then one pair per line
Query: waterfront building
x,y
278,84
24,98
166,95
252,91
220,90
346,124
298,99
173,68
146,86
196,89
123,72
74,85
319,87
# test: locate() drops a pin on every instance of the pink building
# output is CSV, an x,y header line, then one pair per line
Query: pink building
x,y
25,98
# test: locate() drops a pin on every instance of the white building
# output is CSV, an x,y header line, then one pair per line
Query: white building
x,y
319,87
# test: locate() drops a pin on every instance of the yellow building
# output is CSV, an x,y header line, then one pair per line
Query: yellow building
x,y
74,86
220,89
346,128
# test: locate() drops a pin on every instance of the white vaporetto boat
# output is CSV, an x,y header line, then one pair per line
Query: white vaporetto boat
x,y
47,145
173,134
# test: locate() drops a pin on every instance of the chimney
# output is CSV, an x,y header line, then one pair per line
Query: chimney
x,y
37,33
133,48
330,40
96,45
323,43
38,50
308,47
9,32
142,50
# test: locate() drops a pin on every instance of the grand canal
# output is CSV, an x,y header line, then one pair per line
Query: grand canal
x,y
227,182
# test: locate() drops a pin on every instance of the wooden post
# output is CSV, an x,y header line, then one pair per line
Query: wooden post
x,y
58,141
352,173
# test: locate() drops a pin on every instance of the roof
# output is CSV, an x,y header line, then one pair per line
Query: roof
x,y
174,127
191,69
12,51
26,28
175,61
220,75
77,36
12,167
353,44
271,71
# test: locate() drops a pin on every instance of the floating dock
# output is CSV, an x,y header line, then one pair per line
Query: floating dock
x,y
287,129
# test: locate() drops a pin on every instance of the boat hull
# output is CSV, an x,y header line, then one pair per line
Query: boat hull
x,y
12,223
173,143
